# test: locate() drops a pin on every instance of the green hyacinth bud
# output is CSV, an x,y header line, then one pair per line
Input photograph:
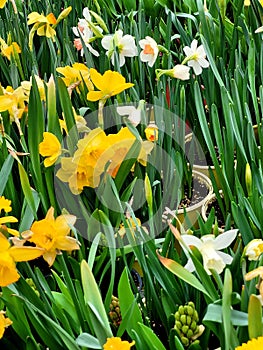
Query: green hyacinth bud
x,y
186,319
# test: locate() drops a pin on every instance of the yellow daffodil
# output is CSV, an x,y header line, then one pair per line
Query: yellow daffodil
x,y
254,249
151,132
131,226
77,175
115,343
78,73
88,163
13,101
2,3
26,85
42,25
258,272
4,323
5,204
50,147
8,50
110,84
52,235
253,344
9,255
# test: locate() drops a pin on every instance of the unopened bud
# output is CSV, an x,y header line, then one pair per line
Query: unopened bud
x,y
248,179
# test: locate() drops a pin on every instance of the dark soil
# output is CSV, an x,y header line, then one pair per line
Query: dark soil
x,y
218,213
198,192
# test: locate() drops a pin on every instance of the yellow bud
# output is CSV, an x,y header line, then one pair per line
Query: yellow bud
x,y
64,14
248,179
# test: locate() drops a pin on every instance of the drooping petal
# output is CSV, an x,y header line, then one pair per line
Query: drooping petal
x,y
226,257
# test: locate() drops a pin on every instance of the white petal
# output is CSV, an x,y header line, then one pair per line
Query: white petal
x,y
93,51
194,45
75,31
225,257
189,265
224,240
181,71
196,66
125,110
203,62
122,59
107,41
192,240
86,14
188,51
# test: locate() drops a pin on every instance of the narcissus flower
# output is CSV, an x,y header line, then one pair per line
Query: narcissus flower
x,y
88,32
253,344
9,50
134,114
4,323
50,147
254,249
13,101
124,45
5,204
9,255
115,343
179,71
195,57
27,84
52,235
151,132
110,84
42,25
78,73
149,51
210,246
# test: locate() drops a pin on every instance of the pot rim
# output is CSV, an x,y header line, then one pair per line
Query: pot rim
x,y
209,186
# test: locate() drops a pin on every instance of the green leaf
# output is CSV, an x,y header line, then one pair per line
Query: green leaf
x,y
130,311
5,172
214,314
150,337
255,328
87,340
226,307
27,189
93,297
183,274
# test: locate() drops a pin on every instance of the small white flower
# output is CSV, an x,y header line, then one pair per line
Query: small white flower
x,y
86,33
196,57
125,46
134,114
210,246
149,51
254,249
181,71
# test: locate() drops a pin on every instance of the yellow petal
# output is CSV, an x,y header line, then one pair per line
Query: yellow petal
x,y
7,219
2,3
8,275
25,253
95,95
67,243
97,79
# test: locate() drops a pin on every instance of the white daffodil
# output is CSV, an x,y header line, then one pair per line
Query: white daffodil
x,y
179,71
86,33
254,249
134,114
210,246
125,46
149,51
195,57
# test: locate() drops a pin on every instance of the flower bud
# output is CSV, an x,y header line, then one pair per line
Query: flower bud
x,y
183,319
185,329
248,180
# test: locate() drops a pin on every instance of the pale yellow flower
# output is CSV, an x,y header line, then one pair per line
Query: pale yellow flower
x,y
9,50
